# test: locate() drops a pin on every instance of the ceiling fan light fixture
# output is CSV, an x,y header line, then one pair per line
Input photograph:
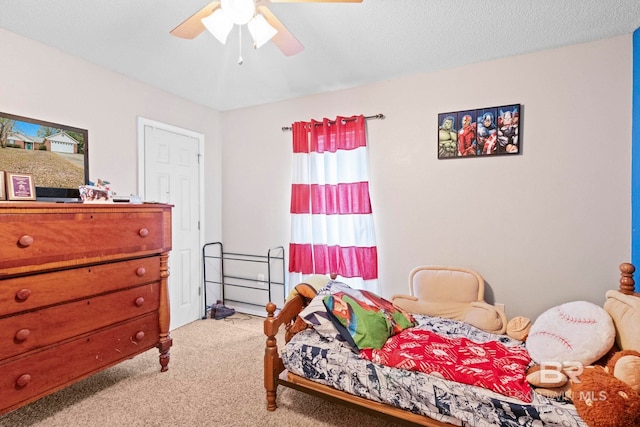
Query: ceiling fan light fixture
x,y
239,11
261,31
218,24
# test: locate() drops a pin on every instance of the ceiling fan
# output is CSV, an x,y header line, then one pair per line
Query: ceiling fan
x,y
219,17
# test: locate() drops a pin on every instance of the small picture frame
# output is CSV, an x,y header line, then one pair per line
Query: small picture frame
x,y
20,186
3,193
95,194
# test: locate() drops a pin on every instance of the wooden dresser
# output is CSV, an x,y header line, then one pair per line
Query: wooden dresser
x,y
82,288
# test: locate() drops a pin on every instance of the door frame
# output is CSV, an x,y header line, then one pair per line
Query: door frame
x,y
142,122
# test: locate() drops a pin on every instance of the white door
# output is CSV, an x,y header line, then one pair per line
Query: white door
x,y
171,173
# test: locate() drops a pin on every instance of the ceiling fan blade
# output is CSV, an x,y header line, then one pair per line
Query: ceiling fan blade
x,y
316,1
285,41
193,26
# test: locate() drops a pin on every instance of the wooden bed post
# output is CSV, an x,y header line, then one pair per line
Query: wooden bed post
x,y
627,284
273,365
270,357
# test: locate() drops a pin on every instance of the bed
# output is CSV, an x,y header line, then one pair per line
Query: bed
x,y
329,369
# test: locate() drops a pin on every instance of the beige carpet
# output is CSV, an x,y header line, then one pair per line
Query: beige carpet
x,y
214,379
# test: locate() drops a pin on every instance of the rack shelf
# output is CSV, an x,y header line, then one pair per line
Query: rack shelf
x,y
244,281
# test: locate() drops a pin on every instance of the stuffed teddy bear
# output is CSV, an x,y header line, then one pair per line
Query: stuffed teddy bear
x,y
625,365
310,287
518,328
604,396
608,396
549,381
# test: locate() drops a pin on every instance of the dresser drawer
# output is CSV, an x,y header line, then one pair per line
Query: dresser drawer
x,y
35,329
30,292
41,238
41,373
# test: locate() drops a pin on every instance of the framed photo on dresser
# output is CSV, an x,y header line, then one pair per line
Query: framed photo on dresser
x,y
20,186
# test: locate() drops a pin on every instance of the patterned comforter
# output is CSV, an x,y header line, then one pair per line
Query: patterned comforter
x,y
332,363
490,364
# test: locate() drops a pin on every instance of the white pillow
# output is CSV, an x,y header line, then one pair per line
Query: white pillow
x,y
577,331
315,314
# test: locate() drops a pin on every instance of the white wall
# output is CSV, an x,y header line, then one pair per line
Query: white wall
x,y
559,214
548,226
44,83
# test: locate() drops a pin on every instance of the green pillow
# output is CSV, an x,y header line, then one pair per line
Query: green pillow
x,y
361,325
398,318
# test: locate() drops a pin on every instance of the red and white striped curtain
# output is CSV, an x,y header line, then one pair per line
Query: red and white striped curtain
x,y
332,227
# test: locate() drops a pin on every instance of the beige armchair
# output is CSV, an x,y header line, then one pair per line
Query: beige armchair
x,y
454,293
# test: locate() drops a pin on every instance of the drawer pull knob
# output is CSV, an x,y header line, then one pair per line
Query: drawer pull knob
x,y
143,232
23,380
139,301
141,271
23,294
25,241
22,334
139,336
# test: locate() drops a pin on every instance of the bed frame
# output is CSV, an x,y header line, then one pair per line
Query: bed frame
x,y
275,374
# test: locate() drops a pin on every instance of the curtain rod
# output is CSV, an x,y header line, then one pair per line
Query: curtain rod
x,y
377,116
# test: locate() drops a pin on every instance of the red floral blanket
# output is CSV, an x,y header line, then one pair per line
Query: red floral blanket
x,y
491,365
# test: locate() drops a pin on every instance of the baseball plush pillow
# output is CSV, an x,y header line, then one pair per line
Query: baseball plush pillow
x,y
577,331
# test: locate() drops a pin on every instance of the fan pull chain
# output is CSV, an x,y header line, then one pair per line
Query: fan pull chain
x,y
240,60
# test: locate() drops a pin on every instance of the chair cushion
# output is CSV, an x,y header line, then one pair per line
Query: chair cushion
x,y
625,312
453,293
446,284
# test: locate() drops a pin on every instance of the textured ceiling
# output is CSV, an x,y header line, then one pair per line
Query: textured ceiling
x,y
346,44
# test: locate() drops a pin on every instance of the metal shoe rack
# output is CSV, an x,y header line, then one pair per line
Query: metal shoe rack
x,y
243,280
